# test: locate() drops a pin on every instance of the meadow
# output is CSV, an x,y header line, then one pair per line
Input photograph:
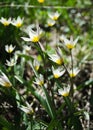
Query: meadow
x,y
46,65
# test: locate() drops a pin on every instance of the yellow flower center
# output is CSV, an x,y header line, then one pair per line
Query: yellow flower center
x,y
56,76
7,84
55,17
41,83
30,112
65,94
36,67
70,46
72,75
18,24
5,23
35,39
41,1
50,24
10,50
59,61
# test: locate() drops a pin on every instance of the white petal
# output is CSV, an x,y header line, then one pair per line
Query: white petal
x,y
76,40
26,39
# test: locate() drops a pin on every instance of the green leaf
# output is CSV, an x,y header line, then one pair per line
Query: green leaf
x,y
6,124
85,84
19,79
54,122
30,126
50,105
69,104
46,103
75,122
27,57
39,98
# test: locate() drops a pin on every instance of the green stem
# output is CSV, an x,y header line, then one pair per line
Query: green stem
x,y
71,78
66,69
69,104
36,74
71,60
49,103
40,50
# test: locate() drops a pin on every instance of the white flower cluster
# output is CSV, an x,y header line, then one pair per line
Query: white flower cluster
x,y
53,17
9,49
15,22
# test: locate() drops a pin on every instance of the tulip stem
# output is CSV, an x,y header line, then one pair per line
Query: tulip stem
x,y
65,69
71,78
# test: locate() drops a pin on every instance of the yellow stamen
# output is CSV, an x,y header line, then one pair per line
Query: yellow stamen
x,y
65,94
72,75
50,24
56,76
70,46
35,39
7,84
18,25
41,83
41,1
10,50
59,61
55,17
30,112
5,23
37,67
